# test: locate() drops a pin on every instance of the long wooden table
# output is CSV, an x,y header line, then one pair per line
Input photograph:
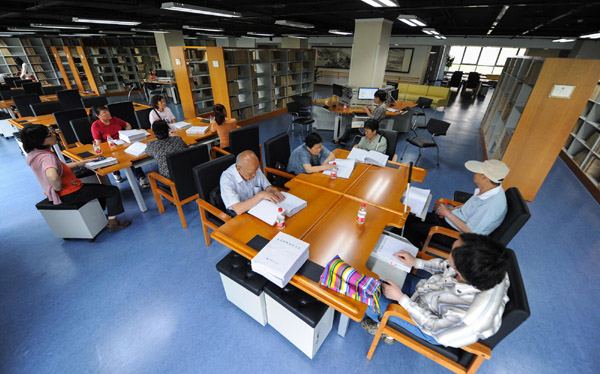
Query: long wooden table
x,y
329,224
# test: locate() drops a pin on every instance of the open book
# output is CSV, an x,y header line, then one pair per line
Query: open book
x,y
267,210
197,130
418,201
388,245
93,165
368,157
345,167
181,125
137,149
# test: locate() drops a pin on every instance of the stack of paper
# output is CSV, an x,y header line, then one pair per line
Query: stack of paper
x,y
388,245
280,259
93,165
267,211
368,157
132,136
197,130
137,149
345,167
418,201
180,125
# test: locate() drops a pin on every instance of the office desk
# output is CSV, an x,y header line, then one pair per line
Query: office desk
x,y
172,85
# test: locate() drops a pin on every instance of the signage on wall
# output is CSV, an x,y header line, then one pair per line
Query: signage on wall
x,y
561,91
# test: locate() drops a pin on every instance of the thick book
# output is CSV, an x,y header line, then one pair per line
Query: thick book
x,y
387,245
197,130
132,136
181,125
418,200
267,210
368,157
137,149
279,260
345,167
93,165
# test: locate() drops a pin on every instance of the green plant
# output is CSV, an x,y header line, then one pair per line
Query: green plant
x,y
449,61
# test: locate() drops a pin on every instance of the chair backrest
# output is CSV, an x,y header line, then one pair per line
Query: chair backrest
x,y
277,149
437,127
304,101
180,168
82,129
10,81
22,103
9,94
244,139
208,175
51,90
293,107
90,101
4,87
124,110
33,87
48,107
518,213
391,137
63,121
143,118
424,102
472,80
456,79
19,82
70,99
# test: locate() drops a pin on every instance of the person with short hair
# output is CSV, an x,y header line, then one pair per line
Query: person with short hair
x,y
377,114
58,180
163,146
373,140
222,125
160,110
460,303
243,185
310,157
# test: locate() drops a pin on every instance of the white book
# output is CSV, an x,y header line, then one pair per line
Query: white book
x,y
369,157
281,258
93,165
418,200
357,124
197,130
267,210
132,136
137,149
181,125
118,141
393,110
388,245
345,167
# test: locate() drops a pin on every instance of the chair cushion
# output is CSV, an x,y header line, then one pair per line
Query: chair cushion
x,y
402,88
238,268
216,200
304,306
48,205
421,142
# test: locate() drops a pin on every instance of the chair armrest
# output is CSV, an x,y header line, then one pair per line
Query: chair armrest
x,y
445,201
441,231
203,204
284,174
215,149
155,176
395,158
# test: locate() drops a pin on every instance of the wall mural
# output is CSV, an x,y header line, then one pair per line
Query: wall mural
x,y
399,59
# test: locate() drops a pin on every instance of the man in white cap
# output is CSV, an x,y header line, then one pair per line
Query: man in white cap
x,y
481,214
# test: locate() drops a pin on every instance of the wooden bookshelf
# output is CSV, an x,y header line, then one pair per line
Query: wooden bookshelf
x,y
33,52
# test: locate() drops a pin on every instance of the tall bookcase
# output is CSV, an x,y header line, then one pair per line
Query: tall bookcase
x,y
62,56
582,149
527,128
33,52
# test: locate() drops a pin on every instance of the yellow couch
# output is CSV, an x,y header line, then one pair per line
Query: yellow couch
x,y
412,92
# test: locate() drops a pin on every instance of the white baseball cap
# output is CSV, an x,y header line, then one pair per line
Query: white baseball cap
x,y
495,170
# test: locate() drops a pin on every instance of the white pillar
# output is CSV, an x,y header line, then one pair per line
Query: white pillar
x,y
163,41
369,52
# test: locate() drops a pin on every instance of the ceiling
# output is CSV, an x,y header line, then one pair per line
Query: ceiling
x,y
450,18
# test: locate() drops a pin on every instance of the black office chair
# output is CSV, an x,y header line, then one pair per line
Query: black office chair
x,y
32,88
277,155
294,109
305,105
51,90
143,118
20,82
124,110
419,111
465,359
22,103
133,86
82,128
70,99
245,138
8,95
63,121
152,89
435,127
391,138
180,189
4,87
456,80
210,204
90,101
471,84
516,216
10,81
48,107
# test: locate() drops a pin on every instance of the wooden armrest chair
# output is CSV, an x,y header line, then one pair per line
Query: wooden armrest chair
x,y
180,189
242,139
469,358
277,155
208,177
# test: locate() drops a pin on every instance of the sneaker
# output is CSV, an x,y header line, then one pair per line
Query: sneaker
x,y
118,178
387,339
369,325
144,182
114,225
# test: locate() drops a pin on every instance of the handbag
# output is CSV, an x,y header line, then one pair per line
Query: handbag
x,y
343,278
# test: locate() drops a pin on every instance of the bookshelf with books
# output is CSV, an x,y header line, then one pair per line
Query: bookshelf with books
x,y
60,55
33,52
526,123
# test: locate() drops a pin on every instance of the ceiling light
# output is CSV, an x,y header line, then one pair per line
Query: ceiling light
x,y
381,3
338,32
259,34
299,25
202,28
588,36
247,37
5,35
408,22
430,31
563,40
24,29
106,21
210,35
117,32
199,10
295,36
411,20
498,18
81,35
68,27
148,30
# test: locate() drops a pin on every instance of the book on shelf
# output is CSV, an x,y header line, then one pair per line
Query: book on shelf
x,y
281,258
387,245
592,139
580,156
267,210
592,168
132,136
93,165
345,167
181,125
136,149
368,157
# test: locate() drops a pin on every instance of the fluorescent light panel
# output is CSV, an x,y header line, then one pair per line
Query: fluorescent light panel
x,y
411,20
80,35
338,32
381,3
587,36
67,27
199,10
299,25
113,32
187,27
259,34
295,36
153,31
563,40
106,21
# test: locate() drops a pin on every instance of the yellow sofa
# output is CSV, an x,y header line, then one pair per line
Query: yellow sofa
x,y
412,92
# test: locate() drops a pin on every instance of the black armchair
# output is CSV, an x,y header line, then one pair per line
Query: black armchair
x,y
48,107
391,138
69,99
124,110
471,84
32,88
63,121
83,130
143,118
277,155
240,140
456,80
23,102
90,101
435,127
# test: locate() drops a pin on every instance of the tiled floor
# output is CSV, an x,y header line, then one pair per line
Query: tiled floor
x,y
149,300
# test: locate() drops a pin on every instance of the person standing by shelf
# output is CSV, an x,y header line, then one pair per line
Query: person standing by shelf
x,y
24,69
160,110
222,125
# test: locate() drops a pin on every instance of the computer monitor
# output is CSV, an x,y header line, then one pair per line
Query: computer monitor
x,y
393,96
338,90
393,84
161,73
367,93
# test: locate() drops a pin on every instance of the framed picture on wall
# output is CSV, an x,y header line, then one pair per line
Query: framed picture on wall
x,y
338,58
399,60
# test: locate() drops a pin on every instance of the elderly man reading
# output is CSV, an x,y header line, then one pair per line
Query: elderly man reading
x,y
243,185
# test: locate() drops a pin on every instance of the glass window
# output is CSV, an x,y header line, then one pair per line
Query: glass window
x,y
506,53
488,56
522,52
497,70
457,51
467,68
484,69
471,55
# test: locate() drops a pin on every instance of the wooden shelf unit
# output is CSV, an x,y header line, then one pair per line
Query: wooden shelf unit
x,y
33,52
526,128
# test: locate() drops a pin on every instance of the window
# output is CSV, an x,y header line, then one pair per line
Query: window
x,y
484,60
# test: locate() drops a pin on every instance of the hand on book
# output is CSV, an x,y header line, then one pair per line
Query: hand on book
x,y
391,290
406,258
272,194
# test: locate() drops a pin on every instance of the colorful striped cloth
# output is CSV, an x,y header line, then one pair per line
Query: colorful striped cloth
x,y
341,277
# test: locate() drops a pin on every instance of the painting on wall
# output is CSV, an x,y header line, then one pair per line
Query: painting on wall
x,y
399,60
338,58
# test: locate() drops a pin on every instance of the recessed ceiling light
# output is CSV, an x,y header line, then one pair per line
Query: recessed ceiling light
x,y
411,20
300,25
563,40
68,27
80,35
153,31
259,34
187,27
381,3
113,32
338,32
106,21
591,36
199,10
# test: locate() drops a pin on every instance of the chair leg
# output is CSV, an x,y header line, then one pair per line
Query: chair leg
x,y
181,216
402,157
374,343
438,155
204,225
420,154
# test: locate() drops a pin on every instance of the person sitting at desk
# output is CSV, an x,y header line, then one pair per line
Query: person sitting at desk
x,y
160,110
378,114
105,125
163,146
481,214
58,180
460,303
222,125
310,157
372,141
243,185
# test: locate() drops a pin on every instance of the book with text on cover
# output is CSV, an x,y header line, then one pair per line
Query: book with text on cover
x,y
368,157
280,259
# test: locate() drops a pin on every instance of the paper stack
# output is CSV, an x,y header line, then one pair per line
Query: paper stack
x,y
137,149
418,201
368,157
197,130
93,165
182,125
267,211
345,167
388,245
132,136
280,259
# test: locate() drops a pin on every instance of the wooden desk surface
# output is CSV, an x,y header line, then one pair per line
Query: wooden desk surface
x,y
168,83
398,105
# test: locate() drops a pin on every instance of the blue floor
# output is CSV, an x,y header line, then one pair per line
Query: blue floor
x,y
149,300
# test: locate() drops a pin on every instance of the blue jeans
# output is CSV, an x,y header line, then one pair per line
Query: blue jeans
x,y
408,288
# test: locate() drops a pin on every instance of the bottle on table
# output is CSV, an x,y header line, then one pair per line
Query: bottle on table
x,y
334,171
111,143
345,106
362,214
280,219
97,149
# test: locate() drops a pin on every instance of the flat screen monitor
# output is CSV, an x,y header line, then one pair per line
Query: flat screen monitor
x,y
367,93
394,95
161,73
393,84
338,90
